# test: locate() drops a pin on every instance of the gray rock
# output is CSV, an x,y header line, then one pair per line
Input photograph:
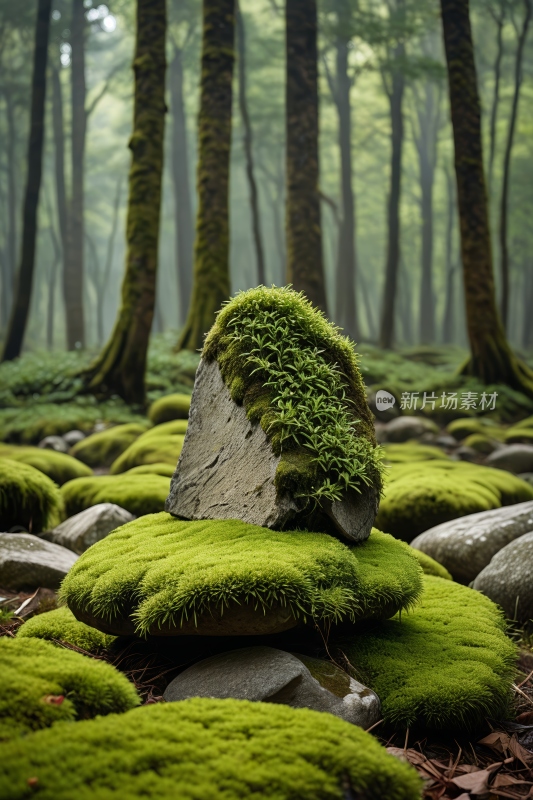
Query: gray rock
x,y
508,579
512,457
465,453
402,429
226,469
445,441
73,437
28,561
56,443
82,530
273,676
465,546
527,477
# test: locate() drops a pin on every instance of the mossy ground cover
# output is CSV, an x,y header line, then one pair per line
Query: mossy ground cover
x,y
172,406
102,448
430,566
60,467
159,468
28,498
160,444
164,571
61,624
42,684
401,453
138,494
445,665
203,748
419,495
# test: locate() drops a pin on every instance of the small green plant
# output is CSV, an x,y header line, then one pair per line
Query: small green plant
x,y
6,616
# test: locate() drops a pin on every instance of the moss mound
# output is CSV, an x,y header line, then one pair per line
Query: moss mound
x,y
480,443
27,498
101,449
138,494
164,572
58,466
176,427
42,684
159,468
461,428
430,566
420,495
154,450
173,406
203,748
446,665
519,434
62,624
401,453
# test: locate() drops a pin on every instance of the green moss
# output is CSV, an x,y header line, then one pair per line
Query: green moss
x,y
62,624
291,368
400,453
163,571
445,665
461,428
159,468
420,495
430,566
204,748
480,443
154,450
138,494
58,466
35,672
27,498
101,449
519,433
177,427
173,406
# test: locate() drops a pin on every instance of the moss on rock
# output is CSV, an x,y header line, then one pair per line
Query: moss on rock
x,y
42,684
28,498
101,449
170,407
159,468
446,665
401,453
138,494
480,443
430,566
61,624
58,466
160,444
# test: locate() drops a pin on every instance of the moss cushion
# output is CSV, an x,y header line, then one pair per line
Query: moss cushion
x,y
101,449
42,684
161,444
159,468
430,566
61,624
419,495
58,466
202,748
400,453
447,664
173,406
138,494
28,498
163,576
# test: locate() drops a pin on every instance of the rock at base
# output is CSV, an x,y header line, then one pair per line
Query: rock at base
x,y
268,675
82,530
512,457
508,579
56,443
402,429
28,561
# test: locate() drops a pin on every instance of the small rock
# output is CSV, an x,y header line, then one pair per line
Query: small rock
x,y
508,579
465,546
28,561
512,457
268,675
445,441
527,477
402,429
465,453
56,443
82,530
73,437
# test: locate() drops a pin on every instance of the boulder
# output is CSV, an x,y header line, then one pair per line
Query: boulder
x,y
465,453
84,529
226,469
508,579
56,443
515,458
402,429
465,546
268,675
28,561
73,437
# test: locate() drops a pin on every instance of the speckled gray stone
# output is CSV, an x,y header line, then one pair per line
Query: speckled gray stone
x,y
508,579
512,457
26,561
88,527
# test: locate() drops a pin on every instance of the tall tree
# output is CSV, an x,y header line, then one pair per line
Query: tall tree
x,y
447,323
121,366
59,161
211,283
24,277
504,203
498,15
491,358
305,269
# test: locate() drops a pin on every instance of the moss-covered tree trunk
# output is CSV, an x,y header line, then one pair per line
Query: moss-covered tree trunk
x,y
305,269
491,357
211,283
121,366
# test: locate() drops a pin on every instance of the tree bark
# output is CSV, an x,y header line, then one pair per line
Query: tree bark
x,y
24,278
211,282
496,94
182,192
491,357
527,328
305,270
247,141
59,146
447,323
7,290
121,366
504,204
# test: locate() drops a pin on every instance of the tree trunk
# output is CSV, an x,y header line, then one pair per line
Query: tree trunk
x,y
504,205
211,283
527,330
243,106
59,146
73,271
496,94
7,290
447,323
24,278
121,366
182,193
393,247
305,270
491,357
